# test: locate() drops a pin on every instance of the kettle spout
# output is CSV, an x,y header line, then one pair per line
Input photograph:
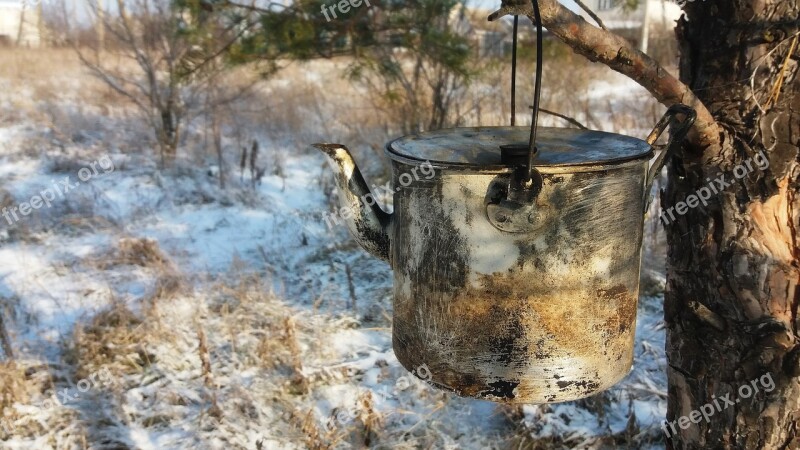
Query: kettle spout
x,y
368,223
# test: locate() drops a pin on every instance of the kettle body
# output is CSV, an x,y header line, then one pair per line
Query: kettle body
x,y
539,315
509,287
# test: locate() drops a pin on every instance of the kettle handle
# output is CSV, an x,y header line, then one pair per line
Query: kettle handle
x,y
678,134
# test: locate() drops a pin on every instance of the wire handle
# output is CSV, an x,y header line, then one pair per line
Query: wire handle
x,y
678,134
516,152
537,91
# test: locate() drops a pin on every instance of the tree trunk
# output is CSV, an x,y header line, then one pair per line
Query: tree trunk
x,y
733,274
168,136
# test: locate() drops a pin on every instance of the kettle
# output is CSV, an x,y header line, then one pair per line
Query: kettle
x,y
512,283
516,265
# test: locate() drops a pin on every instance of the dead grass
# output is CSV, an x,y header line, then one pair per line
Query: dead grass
x,y
14,387
140,252
31,64
26,390
248,305
255,323
315,437
366,431
169,282
72,108
115,340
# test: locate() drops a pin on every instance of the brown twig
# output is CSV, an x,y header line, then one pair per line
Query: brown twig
x,y
565,117
591,14
775,95
208,376
351,286
763,58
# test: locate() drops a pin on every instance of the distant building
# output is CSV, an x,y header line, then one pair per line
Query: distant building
x,y
493,39
635,25
20,23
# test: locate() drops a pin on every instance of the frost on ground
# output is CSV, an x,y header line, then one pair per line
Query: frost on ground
x,y
152,309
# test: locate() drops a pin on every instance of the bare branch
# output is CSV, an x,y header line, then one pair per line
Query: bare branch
x,y
591,14
565,117
602,46
252,6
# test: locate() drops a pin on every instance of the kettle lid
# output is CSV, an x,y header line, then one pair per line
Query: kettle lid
x,y
480,146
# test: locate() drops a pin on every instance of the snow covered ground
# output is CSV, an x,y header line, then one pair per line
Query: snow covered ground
x,y
152,309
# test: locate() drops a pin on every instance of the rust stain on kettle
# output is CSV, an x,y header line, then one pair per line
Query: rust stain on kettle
x,y
510,317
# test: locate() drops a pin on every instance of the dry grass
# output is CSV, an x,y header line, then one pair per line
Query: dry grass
x,y
315,437
75,110
14,386
28,406
35,66
246,325
632,437
47,75
145,253
140,252
115,339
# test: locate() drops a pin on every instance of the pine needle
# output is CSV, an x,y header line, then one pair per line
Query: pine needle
x,y
775,94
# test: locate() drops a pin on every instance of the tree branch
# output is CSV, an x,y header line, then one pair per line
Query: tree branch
x,y
563,117
591,14
617,53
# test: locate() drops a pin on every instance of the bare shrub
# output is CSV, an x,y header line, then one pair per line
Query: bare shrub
x,y
164,58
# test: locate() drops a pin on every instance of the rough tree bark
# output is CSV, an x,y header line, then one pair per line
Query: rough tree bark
x,y
733,268
733,273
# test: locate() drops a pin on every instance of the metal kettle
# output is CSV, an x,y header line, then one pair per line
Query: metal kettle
x,y
516,262
506,288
